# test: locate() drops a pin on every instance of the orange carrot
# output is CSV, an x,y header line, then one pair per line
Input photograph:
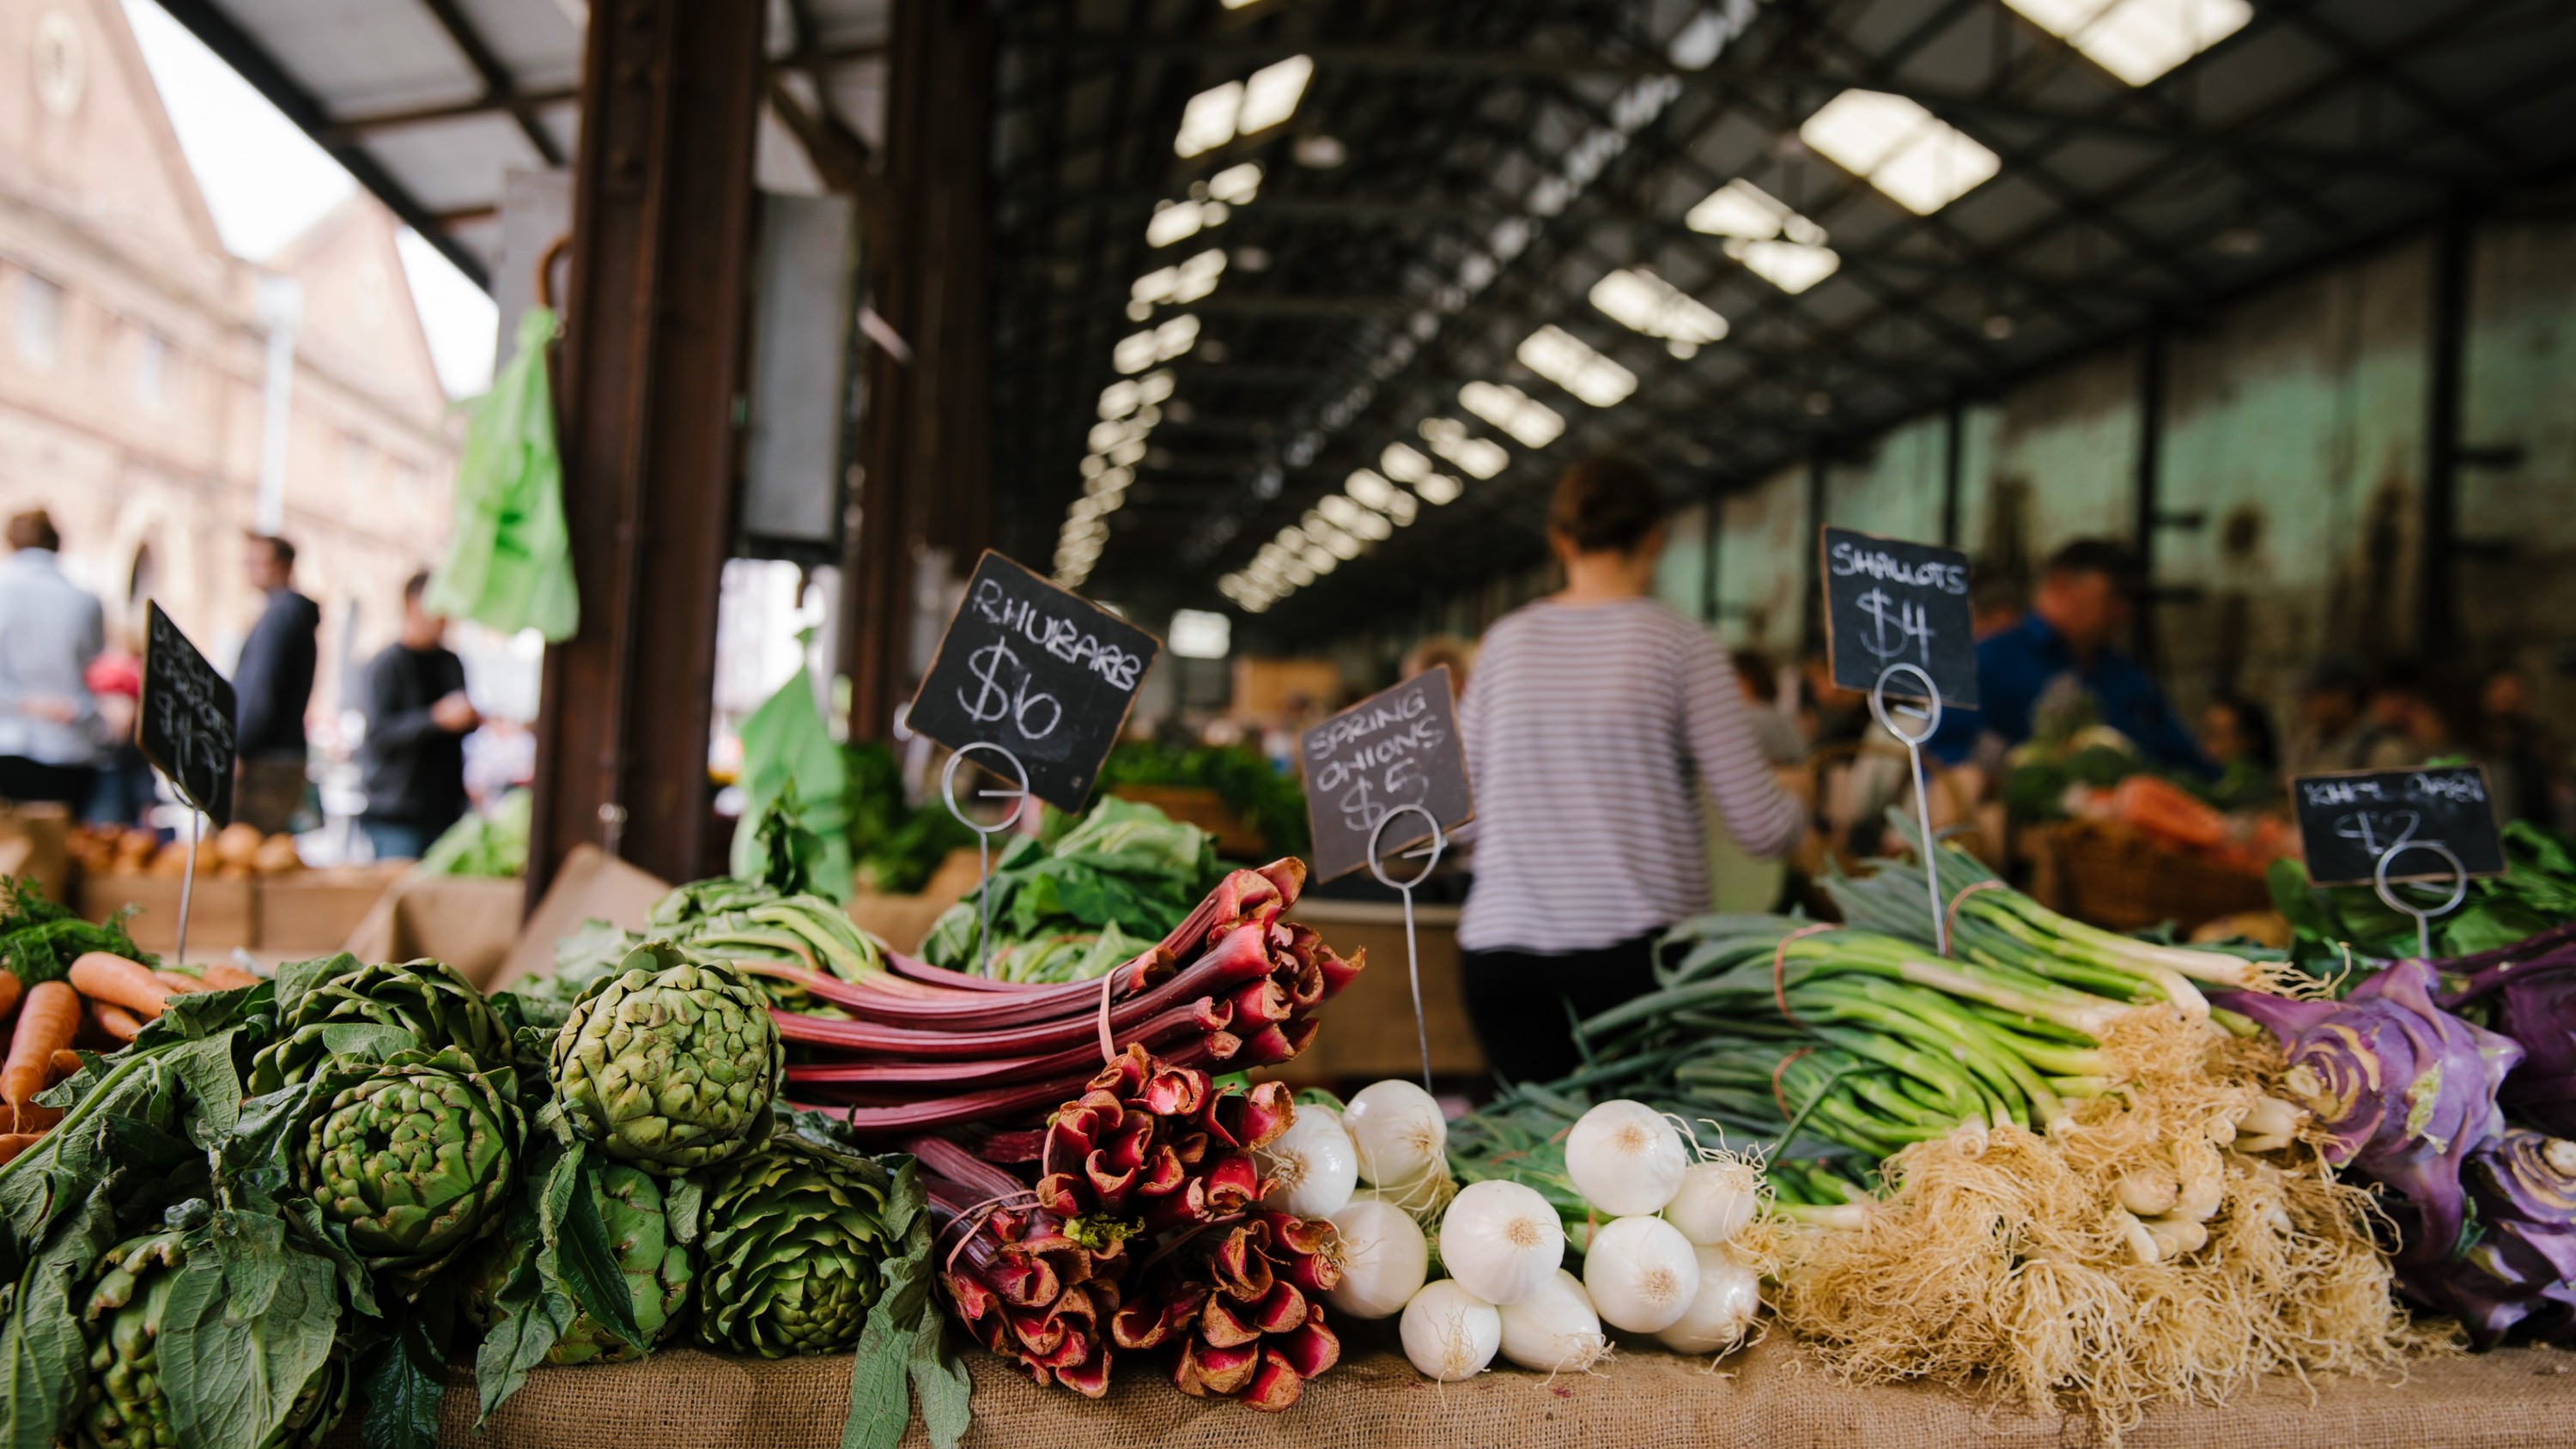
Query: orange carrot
x,y
9,991
102,976
32,1118
225,978
115,1020
180,983
45,1026
13,1143
64,1063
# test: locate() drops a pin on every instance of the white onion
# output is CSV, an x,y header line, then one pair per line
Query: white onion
x,y
1312,1166
1501,1240
1397,1131
1450,1333
1554,1330
1729,1296
1716,1200
1383,1259
1625,1158
1642,1274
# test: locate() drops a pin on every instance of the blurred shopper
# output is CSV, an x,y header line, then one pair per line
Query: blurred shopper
x,y
2520,757
1995,605
50,629
2334,728
272,684
413,760
1830,714
2237,737
2083,603
2406,726
1781,740
1595,718
124,790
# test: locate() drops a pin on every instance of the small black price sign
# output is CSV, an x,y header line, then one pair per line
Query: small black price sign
x,y
1889,602
2348,821
1397,747
1037,671
185,722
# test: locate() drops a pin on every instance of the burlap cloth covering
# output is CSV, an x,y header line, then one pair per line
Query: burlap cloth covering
x,y
1768,1398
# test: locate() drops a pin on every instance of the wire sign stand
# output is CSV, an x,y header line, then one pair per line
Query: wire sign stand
x,y
1930,713
1428,852
1018,795
2423,916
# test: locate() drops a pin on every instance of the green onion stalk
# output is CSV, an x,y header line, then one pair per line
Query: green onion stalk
x,y
1995,925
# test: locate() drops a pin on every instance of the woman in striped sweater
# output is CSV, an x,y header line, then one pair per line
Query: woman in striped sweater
x,y
1595,717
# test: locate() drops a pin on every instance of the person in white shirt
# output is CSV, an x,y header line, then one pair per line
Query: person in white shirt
x,y
50,629
1595,717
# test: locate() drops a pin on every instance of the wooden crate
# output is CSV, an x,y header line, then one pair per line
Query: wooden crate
x,y
222,914
2116,878
1367,1031
308,913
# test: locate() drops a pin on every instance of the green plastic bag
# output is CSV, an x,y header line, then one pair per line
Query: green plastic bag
x,y
509,559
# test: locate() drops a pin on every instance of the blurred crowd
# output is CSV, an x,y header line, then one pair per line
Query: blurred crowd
x,y
71,683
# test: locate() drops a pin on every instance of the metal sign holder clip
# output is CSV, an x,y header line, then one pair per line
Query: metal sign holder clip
x,y
2423,918
1429,854
1019,798
1931,718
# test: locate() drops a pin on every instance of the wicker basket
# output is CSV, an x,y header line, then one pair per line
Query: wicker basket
x,y
2115,878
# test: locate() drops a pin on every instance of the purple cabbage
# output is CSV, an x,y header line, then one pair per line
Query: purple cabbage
x,y
2519,1265
2406,1089
2529,989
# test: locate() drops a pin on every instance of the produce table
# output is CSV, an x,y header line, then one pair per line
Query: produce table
x,y
1768,1398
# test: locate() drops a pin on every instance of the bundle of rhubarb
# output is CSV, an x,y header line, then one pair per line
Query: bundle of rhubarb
x,y
1144,1231
918,1048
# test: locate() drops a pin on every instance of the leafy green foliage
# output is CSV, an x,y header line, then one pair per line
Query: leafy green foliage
x,y
1123,867
1267,799
2536,891
898,846
40,939
795,817
493,845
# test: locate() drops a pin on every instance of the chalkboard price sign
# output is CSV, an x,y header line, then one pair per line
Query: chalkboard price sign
x,y
1891,602
2348,821
1037,671
1397,747
185,722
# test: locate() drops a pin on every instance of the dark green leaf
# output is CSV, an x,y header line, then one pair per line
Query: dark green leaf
x,y
584,1258
295,978
939,1381
880,1395
528,1316
43,1359
250,1321
401,1382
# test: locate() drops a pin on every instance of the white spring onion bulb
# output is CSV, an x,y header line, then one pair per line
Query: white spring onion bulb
x,y
1397,1131
1554,1330
1642,1274
1311,1165
1729,1297
1450,1333
1625,1158
1384,1259
1716,1200
1501,1240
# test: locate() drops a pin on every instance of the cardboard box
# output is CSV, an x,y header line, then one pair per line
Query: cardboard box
x,y
465,922
308,913
1368,1030
592,885
222,914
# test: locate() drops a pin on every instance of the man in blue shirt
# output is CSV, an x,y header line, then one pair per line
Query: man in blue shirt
x,y
2082,604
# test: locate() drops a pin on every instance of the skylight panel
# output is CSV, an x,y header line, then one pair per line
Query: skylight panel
x,y
1207,122
1919,160
1236,184
1529,422
2138,40
1118,399
1439,488
1271,94
1479,457
1140,350
1564,359
1639,300
1403,464
1742,209
1375,492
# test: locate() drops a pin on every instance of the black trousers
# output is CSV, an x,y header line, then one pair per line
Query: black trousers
x,y
25,779
1518,1001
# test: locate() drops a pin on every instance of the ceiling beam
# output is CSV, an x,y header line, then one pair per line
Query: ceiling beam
x,y
498,85
247,57
527,105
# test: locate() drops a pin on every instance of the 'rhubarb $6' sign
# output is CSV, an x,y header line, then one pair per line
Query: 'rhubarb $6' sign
x,y
1037,671
1395,748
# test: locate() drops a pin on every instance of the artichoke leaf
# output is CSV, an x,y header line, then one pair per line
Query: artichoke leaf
x,y
402,1382
43,1355
248,1326
584,1260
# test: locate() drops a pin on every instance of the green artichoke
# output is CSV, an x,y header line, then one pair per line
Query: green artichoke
x,y
795,1246
426,998
658,1266
670,1064
412,1157
123,1406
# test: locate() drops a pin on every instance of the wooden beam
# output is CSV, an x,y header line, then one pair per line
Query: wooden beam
x,y
653,354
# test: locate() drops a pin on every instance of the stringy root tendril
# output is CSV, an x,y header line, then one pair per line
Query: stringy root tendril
x,y
2013,1262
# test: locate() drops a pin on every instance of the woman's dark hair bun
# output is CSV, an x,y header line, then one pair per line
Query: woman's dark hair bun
x,y
1605,503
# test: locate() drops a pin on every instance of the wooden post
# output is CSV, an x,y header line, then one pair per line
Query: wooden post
x,y
652,360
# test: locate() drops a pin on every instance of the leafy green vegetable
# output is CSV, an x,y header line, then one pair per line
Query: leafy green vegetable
x,y
493,845
40,939
794,781
2536,891
1122,867
1266,798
